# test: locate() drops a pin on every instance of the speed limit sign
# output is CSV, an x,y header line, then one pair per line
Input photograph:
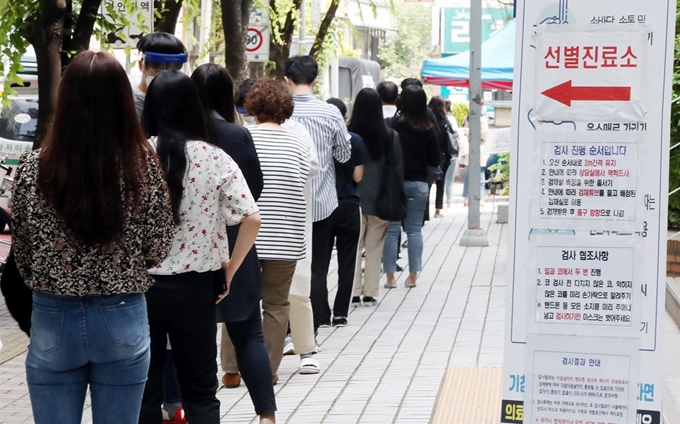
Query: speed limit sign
x,y
257,44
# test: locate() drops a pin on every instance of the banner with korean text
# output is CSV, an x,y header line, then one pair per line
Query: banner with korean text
x,y
589,186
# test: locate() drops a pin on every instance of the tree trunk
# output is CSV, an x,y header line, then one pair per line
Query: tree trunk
x,y
235,14
46,36
279,53
169,14
325,25
82,32
256,69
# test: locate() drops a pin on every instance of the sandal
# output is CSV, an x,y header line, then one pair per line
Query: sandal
x,y
392,285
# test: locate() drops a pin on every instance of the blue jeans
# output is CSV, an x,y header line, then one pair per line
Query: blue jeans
x,y
481,183
448,181
416,201
100,341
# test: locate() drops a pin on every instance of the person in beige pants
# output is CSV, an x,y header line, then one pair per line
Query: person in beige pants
x,y
281,242
372,239
301,314
300,307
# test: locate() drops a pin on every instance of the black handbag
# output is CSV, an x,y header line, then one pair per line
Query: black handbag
x,y
18,297
391,203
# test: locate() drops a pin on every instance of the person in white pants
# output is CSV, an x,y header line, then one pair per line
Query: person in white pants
x,y
301,315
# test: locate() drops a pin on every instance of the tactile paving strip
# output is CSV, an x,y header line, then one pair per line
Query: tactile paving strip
x,y
470,395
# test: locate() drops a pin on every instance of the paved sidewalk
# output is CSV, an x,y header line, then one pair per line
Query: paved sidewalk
x,y
388,364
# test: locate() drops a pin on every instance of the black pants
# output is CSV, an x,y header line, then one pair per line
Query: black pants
x,y
321,259
183,308
441,187
253,361
345,236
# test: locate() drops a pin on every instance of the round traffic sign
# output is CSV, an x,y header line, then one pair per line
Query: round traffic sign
x,y
254,40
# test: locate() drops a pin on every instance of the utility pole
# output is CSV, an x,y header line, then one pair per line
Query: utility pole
x,y
301,45
475,235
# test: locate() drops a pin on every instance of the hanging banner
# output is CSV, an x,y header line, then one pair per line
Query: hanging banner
x,y
589,186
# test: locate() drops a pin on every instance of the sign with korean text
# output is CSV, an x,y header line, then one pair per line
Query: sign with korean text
x,y
589,184
571,384
258,37
138,13
591,69
456,26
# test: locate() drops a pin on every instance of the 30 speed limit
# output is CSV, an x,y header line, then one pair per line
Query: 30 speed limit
x,y
257,44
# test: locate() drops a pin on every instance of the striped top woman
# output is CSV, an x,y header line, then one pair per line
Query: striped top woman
x,y
284,160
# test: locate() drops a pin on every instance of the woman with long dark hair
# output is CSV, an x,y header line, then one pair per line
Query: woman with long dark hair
x,y
367,121
420,147
240,311
207,193
438,107
92,214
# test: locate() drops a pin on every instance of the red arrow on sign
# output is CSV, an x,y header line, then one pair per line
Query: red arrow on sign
x,y
566,93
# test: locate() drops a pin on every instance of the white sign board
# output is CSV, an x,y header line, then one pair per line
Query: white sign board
x,y
257,44
258,36
589,182
498,141
141,22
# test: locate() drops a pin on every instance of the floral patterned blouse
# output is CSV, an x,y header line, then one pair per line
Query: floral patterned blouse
x,y
50,259
215,196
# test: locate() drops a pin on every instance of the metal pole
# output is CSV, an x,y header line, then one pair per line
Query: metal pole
x,y
475,236
301,46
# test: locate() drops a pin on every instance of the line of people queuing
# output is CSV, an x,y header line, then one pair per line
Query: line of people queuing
x,y
152,212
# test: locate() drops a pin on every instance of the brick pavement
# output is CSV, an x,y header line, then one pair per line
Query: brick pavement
x,y
388,364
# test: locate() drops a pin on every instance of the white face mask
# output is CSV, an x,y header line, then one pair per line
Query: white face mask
x,y
149,79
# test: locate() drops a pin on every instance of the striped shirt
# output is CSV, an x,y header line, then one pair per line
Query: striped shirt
x,y
284,159
327,127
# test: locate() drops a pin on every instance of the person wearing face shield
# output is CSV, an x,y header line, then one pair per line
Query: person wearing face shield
x,y
160,51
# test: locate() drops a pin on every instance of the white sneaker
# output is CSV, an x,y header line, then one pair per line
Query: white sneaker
x,y
309,365
288,346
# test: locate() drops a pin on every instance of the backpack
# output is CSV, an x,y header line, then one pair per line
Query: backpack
x,y
453,140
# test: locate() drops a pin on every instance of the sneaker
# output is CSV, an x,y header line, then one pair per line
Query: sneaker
x,y
326,324
309,365
370,301
356,301
288,346
399,269
177,418
339,322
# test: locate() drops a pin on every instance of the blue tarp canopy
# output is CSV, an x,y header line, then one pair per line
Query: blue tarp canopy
x,y
498,64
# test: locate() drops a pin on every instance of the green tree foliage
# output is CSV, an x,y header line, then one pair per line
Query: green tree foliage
x,y
674,168
403,54
460,112
57,29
